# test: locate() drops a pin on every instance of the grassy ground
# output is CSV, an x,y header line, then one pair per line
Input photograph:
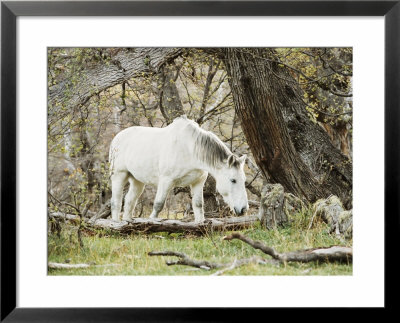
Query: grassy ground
x,y
129,253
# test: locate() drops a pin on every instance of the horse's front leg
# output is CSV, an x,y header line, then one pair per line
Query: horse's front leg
x,y
164,186
197,198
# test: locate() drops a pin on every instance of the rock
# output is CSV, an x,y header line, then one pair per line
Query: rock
x,y
346,223
332,212
271,212
292,203
276,205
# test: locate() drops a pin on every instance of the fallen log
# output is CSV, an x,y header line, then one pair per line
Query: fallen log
x,y
147,225
175,226
324,254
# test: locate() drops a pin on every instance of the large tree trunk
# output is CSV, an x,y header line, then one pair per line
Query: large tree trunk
x,y
285,143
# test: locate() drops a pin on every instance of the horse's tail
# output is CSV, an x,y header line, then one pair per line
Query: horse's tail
x,y
111,156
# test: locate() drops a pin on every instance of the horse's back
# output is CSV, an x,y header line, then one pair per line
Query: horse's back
x,y
133,136
138,150
146,138
134,145
148,153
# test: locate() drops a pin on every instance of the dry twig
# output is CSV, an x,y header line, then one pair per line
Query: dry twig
x,y
202,264
55,265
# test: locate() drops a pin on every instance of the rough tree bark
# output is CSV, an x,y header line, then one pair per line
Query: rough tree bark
x,y
170,103
125,64
211,203
287,146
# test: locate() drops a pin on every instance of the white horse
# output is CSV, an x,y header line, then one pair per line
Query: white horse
x,y
181,154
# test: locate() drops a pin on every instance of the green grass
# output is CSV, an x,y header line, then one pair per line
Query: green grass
x,y
129,253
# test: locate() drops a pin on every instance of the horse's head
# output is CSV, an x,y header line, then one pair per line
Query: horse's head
x,y
231,180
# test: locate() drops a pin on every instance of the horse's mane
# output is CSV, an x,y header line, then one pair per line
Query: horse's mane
x,y
207,146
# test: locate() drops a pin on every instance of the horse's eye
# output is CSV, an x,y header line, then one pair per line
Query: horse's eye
x,y
233,181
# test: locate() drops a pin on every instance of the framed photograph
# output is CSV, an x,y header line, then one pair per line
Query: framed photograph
x,y
186,160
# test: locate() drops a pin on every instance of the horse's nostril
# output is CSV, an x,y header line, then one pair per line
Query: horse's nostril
x,y
244,209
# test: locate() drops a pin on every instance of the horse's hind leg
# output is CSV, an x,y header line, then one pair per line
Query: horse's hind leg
x,y
118,181
135,190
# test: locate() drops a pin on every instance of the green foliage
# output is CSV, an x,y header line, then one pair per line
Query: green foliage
x,y
325,75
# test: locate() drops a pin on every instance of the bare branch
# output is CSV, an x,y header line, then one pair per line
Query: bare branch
x,y
185,260
329,254
55,265
66,204
255,244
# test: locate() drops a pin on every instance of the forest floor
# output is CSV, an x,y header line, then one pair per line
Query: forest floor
x,y
114,254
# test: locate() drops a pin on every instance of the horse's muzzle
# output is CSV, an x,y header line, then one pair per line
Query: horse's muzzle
x,y
241,211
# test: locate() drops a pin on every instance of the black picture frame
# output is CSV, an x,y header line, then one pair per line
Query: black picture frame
x,y
10,10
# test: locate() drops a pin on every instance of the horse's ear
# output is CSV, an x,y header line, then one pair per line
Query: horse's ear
x,y
242,159
231,160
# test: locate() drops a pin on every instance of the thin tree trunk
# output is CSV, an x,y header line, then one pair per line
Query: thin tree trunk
x,y
170,102
171,107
